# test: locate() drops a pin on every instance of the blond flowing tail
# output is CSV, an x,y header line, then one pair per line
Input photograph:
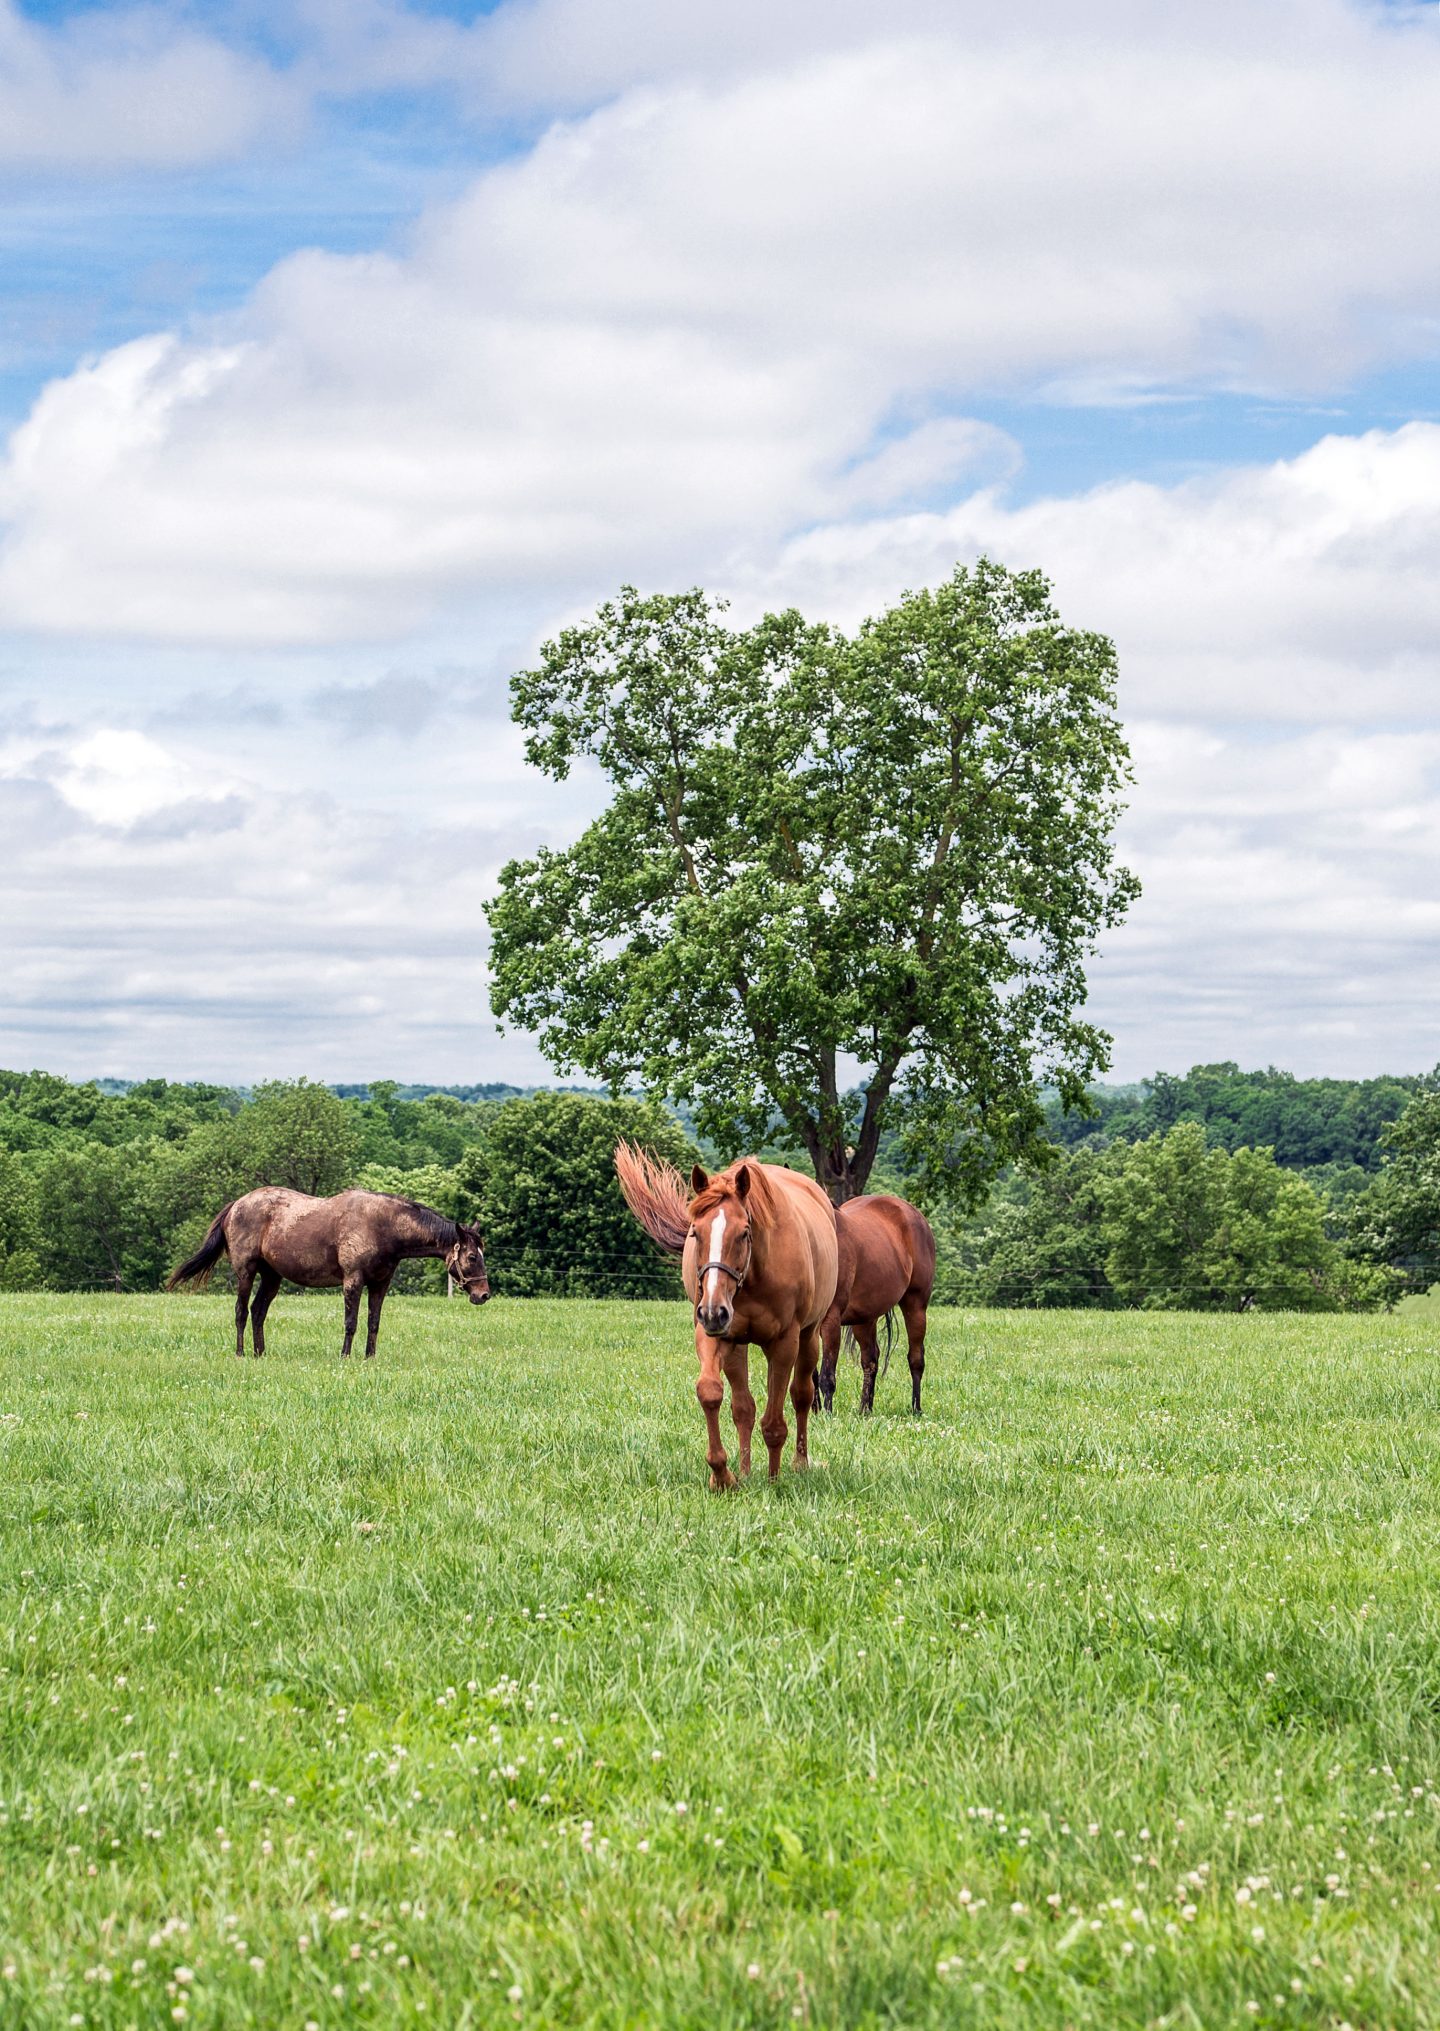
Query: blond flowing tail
x,y
655,1193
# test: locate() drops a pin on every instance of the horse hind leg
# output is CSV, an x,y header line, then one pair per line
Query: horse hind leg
x,y
829,1358
353,1288
244,1278
913,1311
269,1283
868,1342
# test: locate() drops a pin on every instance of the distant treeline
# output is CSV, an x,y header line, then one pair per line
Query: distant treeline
x,y
1306,1122
1221,1189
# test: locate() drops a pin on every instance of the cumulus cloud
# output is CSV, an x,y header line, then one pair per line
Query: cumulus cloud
x,y
697,319
1289,914
729,325
129,88
209,939
1301,590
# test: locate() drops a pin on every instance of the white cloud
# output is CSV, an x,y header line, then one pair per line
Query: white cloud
x,y
228,938
727,328
1289,913
129,88
1303,590
702,317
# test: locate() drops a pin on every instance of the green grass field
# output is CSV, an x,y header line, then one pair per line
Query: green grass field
x,y
439,1691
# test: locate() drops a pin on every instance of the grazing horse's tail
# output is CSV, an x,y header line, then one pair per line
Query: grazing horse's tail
x,y
655,1193
200,1264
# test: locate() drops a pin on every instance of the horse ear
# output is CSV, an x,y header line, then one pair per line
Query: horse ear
x,y
698,1181
742,1181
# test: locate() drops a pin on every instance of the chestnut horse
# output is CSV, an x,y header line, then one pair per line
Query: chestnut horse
x,y
887,1259
758,1255
357,1240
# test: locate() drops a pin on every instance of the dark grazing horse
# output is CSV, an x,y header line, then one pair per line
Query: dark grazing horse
x,y
757,1253
355,1241
887,1260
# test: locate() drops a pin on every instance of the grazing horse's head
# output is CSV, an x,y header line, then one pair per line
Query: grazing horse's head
x,y
466,1263
720,1223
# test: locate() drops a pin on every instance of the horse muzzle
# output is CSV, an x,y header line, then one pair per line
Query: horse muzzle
x,y
478,1294
716,1320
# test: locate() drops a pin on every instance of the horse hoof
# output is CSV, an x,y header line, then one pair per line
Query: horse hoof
x,y
721,1483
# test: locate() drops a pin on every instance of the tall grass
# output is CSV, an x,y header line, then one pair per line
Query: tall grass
x,y
437,1690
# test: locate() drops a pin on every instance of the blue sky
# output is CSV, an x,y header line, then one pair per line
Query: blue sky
x,y
349,349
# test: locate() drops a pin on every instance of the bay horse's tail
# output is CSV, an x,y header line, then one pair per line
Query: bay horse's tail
x,y
655,1193
887,1320
198,1266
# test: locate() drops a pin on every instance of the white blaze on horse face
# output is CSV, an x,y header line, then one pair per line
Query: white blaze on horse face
x,y
715,1253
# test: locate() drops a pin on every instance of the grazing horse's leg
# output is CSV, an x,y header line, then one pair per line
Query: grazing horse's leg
x,y
710,1390
353,1288
802,1392
781,1359
376,1294
912,1307
830,1342
269,1284
742,1403
869,1345
244,1277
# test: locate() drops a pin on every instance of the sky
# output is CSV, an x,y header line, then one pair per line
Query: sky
x,y
348,348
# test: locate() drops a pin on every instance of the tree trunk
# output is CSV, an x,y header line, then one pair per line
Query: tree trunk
x,y
842,1174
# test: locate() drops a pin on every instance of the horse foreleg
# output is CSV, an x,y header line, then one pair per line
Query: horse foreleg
x,y
781,1362
742,1403
353,1288
912,1310
830,1357
710,1391
243,1280
802,1392
269,1284
376,1295
868,1342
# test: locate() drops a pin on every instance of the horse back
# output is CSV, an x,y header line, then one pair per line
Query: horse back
x,y
297,1235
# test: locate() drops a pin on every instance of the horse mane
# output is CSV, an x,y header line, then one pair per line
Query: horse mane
x,y
438,1226
655,1193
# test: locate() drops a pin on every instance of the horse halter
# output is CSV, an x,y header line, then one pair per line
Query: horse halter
x,y
726,1269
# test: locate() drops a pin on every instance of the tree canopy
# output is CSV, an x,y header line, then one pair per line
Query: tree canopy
x,y
842,884
1307,1122
1172,1223
1395,1223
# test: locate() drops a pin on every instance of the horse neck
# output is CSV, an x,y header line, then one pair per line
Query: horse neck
x,y
423,1232
764,1211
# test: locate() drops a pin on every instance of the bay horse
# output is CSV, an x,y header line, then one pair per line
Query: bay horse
x,y
758,1255
886,1262
355,1241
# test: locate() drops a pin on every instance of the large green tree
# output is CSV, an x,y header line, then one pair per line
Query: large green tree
x,y
1396,1222
842,883
1194,1228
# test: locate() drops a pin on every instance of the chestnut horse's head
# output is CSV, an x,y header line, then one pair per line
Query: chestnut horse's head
x,y
720,1223
465,1261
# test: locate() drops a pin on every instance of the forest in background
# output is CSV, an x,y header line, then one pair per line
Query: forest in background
x,y
1218,1189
